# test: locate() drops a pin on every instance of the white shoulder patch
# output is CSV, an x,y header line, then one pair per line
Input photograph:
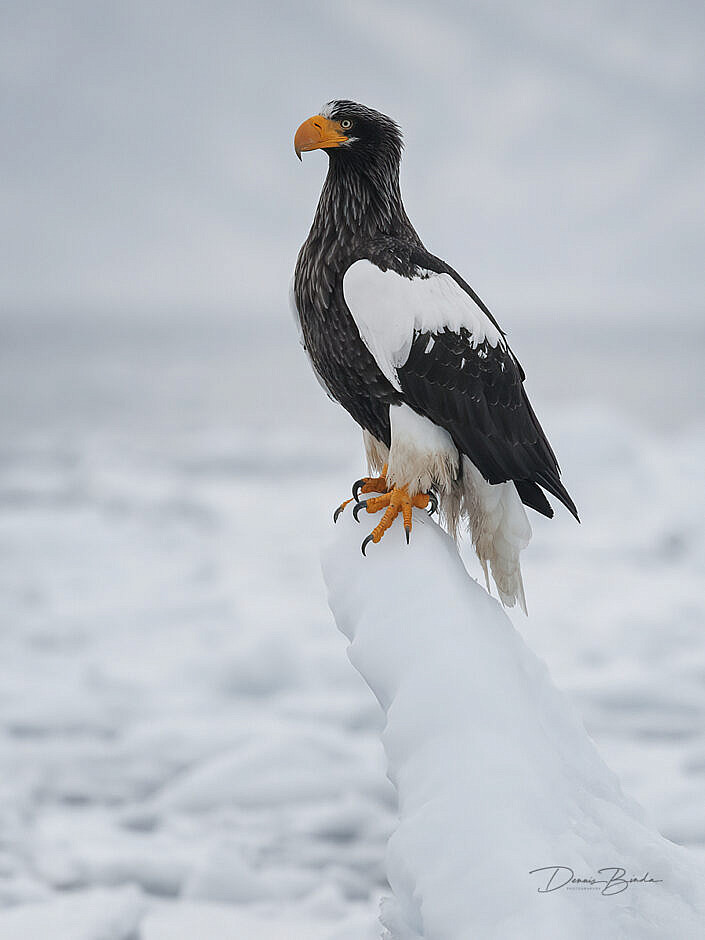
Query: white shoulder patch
x,y
388,309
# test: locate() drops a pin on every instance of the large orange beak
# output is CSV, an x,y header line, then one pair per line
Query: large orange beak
x,y
318,133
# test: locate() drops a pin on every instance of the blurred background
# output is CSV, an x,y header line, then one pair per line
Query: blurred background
x,y
183,744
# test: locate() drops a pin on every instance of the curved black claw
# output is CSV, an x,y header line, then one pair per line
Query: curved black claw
x,y
433,502
407,529
358,507
357,486
336,514
366,543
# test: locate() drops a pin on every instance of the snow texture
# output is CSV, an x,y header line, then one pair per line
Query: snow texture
x,y
495,774
180,731
89,915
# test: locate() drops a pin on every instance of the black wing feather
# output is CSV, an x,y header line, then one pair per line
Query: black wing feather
x,y
476,393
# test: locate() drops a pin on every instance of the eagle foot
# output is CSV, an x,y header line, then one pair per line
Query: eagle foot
x,y
370,485
396,501
340,508
365,485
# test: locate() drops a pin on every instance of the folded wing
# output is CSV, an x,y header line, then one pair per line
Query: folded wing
x,y
437,344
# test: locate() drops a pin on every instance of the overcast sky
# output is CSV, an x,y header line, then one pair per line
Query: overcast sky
x,y
555,152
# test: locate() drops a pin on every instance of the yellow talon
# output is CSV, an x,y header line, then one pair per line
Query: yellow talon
x,y
341,508
371,484
395,501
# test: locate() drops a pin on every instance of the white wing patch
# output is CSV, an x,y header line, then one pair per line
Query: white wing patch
x,y
389,309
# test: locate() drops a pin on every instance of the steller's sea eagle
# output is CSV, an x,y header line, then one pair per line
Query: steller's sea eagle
x,y
411,352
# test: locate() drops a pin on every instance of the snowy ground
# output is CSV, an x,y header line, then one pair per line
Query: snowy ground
x,y
184,748
497,782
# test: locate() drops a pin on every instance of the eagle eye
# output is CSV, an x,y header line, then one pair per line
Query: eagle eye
x,y
346,125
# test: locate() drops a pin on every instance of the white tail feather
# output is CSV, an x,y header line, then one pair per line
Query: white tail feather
x,y
499,528
495,514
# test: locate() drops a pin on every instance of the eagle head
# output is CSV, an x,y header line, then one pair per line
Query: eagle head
x,y
350,133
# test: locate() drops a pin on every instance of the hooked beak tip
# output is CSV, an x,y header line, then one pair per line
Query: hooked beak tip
x,y
318,133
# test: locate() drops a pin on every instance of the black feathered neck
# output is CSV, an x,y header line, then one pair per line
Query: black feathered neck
x,y
361,202
361,196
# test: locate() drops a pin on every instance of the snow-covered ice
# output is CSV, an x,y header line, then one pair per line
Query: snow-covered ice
x,y
97,914
182,738
501,792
